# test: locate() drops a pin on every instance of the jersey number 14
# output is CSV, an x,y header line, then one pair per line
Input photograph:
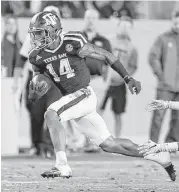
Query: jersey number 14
x,y
65,69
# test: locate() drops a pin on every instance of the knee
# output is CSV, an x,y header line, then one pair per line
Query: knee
x,y
108,145
50,116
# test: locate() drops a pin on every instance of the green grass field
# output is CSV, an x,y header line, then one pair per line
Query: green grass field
x,y
91,172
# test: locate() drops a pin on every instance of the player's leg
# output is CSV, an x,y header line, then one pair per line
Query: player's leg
x,y
66,108
96,130
75,140
58,137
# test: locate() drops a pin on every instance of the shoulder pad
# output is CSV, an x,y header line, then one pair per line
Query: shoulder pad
x,y
76,37
74,33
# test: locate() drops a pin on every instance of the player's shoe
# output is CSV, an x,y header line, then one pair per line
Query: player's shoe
x,y
163,158
58,171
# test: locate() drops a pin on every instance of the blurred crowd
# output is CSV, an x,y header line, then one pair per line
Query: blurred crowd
x,y
106,9
163,60
68,9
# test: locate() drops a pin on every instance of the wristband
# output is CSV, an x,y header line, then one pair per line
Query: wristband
x,y
127,78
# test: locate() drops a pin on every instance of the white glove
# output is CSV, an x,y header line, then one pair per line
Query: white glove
x,y
146,147
157,105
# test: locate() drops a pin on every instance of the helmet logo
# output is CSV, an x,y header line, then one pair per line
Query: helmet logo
x,y
69,48
50,19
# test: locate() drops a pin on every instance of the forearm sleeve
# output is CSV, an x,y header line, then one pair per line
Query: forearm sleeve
x,y
119,68
174,105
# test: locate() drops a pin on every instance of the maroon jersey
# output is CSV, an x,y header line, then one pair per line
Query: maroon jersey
x,y
63,64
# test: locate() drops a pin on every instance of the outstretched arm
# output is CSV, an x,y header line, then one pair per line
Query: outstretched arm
x,y
161,105
89,50
151,147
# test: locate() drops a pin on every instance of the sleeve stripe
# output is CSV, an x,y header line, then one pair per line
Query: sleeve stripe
x,y
77,35
31,50
75,39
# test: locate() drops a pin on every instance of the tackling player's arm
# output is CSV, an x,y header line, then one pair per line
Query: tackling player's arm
x,y
89,50
161,105
152,147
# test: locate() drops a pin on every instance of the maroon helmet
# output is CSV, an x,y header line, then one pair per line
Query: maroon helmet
x,y
45,27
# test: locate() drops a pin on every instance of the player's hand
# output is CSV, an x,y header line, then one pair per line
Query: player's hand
x,y
148,148
134,86
37,90
157,105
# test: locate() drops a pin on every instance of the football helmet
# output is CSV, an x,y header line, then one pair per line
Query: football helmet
x,y
45,27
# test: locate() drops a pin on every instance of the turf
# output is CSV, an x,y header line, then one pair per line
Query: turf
x,y
91,172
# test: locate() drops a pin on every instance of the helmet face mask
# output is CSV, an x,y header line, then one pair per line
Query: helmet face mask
x,y
44,29
40,38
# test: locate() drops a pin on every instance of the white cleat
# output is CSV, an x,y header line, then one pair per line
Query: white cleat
x,y
58,171
163,158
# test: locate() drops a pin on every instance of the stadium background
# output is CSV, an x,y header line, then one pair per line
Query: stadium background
x,y
136,119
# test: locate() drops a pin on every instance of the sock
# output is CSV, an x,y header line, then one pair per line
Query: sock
x,y
61,158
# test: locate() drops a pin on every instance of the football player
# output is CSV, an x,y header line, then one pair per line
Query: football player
x,y
41,147
62,58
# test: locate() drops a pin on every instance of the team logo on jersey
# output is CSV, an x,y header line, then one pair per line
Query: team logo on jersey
x,y
38,57
69,48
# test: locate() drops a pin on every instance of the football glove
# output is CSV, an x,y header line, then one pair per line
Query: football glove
x,y
157,105
134,86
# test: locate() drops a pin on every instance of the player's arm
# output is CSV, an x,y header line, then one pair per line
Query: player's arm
x,y
152,147
89,50
161,105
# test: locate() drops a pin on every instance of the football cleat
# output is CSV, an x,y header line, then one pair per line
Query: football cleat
x,y
171,172
60,171
163,158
